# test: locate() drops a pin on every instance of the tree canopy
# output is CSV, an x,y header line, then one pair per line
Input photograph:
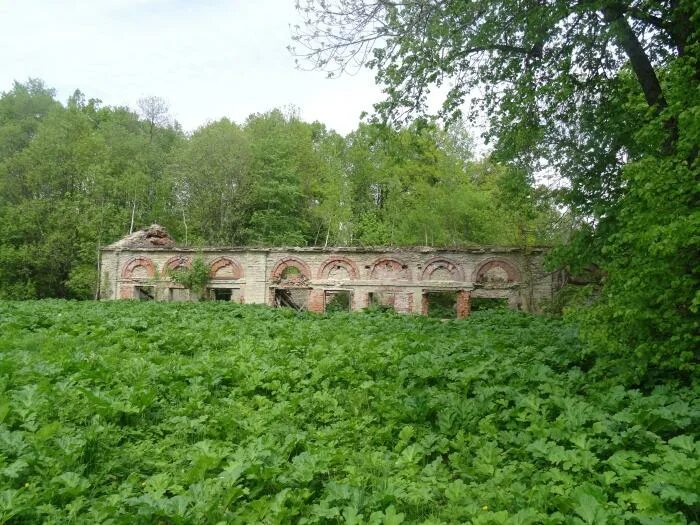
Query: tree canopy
x,y
510,49
604,94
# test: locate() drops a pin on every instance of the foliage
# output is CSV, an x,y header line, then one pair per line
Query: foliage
x,y
212,184
72,178
483,303
194,278
601,95
407,188
535,64
75,177
646,324
442,305
214,412
339,302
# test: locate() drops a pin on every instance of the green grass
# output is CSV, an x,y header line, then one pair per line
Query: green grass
x,y
129,412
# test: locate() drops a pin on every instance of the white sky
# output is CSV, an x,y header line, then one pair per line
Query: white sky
x,y
208,59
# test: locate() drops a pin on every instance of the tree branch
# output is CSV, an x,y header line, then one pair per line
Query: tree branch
x,y
641,65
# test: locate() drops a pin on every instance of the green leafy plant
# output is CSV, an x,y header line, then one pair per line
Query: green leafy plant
x,y
194,278
153,412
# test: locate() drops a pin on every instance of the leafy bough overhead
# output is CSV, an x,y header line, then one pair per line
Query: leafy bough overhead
x,y
542,70
509,49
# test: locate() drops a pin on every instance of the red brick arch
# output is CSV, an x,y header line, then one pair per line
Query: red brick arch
x,y
177,262
511,270
338,262
135,262
288,262
223,262
442,263
389,268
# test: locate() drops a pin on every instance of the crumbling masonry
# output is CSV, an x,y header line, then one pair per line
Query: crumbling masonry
x,y
405,279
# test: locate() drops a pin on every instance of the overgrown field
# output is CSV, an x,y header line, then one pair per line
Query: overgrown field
x,y
216,413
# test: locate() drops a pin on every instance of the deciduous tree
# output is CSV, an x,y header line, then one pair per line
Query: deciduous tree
x,y
605,94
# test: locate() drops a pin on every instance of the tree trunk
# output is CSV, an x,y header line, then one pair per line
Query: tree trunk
x,y
133,213
641,65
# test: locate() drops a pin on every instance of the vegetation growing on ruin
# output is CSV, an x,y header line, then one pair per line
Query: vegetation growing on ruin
x,y
205,413
194,278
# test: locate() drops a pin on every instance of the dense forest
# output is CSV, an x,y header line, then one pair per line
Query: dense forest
x,y
80,175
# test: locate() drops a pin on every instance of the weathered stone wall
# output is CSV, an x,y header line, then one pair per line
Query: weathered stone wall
x,y
396,277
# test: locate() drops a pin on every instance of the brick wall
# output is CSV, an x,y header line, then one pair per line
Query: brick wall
x,y
405,274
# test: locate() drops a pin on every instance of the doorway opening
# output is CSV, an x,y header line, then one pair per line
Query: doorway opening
x,y
381,301
440,304
145,293
222,294
296,298
338,301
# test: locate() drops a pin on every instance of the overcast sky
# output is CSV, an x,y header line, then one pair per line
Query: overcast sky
x,y
207,58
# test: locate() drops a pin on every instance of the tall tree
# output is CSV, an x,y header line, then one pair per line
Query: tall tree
x,y
414,186
155,113
283,166
69,178
605,94
212,189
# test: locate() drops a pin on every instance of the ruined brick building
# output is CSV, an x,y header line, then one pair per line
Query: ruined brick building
x,y
409,280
